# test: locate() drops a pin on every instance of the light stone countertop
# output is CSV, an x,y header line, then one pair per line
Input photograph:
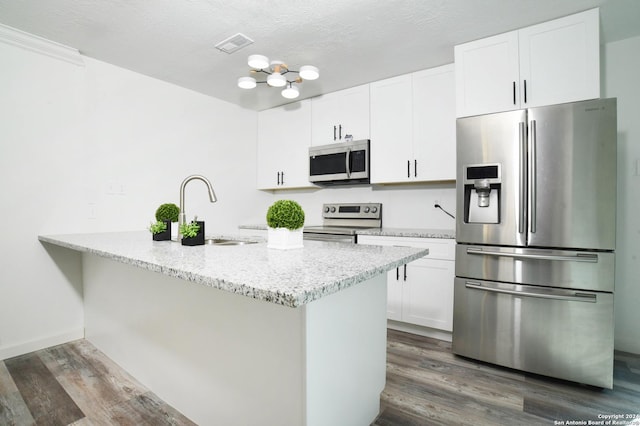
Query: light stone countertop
x,y
286,277
410,232
387,232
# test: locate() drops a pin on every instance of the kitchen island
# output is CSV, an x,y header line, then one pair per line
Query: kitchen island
x,y
243,334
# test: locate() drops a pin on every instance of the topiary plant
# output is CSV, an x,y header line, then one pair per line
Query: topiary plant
x,y
168,211
285,214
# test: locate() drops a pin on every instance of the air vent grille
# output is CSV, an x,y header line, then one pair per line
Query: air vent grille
x,y
234,43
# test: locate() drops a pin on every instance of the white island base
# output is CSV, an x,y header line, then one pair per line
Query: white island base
x,y
227,359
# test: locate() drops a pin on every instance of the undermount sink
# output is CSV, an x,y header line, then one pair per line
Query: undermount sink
x,y
227,242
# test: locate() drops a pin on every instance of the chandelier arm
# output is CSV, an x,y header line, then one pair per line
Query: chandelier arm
x,y
262,71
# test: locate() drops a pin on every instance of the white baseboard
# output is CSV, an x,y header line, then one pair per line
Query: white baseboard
x,y
627,345
419,330
36,345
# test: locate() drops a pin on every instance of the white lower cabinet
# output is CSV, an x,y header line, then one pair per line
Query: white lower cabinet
x,y
421,292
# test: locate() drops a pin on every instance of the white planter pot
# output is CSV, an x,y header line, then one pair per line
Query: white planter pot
x,y
284,239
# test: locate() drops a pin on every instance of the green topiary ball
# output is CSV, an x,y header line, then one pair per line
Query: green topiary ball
x,y
285,214
168,211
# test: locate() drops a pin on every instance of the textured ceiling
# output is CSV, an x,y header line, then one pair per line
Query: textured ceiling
x,y
352,42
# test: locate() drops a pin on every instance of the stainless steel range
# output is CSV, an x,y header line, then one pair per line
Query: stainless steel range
x,y
340,222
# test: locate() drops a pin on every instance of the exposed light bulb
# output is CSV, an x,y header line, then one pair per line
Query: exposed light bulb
x,y
309,72
246,82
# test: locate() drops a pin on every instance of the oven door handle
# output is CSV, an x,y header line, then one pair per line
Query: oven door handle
x,y
578,257
332,238
566,295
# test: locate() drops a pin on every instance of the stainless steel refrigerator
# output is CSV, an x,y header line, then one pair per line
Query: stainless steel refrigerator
x,y
535,231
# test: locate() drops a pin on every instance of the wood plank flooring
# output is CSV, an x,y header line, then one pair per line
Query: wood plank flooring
x,y
428,385
75,384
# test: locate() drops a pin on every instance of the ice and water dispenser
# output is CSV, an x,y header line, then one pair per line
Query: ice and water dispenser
x,y
482,184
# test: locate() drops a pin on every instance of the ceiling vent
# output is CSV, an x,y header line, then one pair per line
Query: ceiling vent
x,y
234,43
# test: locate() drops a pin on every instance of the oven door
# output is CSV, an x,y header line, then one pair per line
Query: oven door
x,y
339,163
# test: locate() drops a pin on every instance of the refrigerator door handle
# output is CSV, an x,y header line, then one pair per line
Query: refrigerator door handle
x,y
573,296
578,257
532,178
522,177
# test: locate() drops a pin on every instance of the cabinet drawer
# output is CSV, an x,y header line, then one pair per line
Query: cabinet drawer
x,y
439,248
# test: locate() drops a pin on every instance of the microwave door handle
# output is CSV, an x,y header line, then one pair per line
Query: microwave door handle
x,y
347,159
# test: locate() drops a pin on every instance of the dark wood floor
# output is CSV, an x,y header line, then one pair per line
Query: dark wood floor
x,y
76,384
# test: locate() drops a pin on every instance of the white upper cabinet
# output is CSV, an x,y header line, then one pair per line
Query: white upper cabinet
x,y
338,114
434,123
560,60
391,130
549,63
487,75
413,127
284,137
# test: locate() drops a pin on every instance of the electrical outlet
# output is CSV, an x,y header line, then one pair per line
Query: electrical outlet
x,y
92,211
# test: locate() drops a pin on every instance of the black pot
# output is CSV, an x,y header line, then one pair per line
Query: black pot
x,y
164,236
198,240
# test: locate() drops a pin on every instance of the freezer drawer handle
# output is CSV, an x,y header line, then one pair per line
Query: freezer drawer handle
x,y
579,257
576,297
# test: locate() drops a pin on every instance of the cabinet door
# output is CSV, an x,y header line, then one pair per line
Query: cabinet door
x,y
284,135
434,124
487,75
428,294
560,60
355,118
394,295
425,291
391,136
338,114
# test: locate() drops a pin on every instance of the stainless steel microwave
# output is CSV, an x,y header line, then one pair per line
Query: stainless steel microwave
x,y
339,163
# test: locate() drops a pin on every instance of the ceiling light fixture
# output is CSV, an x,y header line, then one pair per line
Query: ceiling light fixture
x,y
276,72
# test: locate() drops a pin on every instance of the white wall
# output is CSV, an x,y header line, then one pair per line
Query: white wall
x,y
145,136
621,70
403,206
98,148
40,169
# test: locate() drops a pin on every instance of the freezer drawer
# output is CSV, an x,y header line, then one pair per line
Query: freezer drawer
x,y
585,270
566,334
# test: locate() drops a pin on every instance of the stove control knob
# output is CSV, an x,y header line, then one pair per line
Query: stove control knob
x,y
374,209
333,209
326,209
366,209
